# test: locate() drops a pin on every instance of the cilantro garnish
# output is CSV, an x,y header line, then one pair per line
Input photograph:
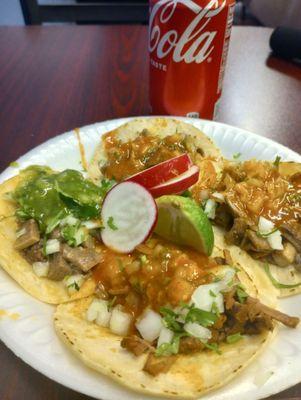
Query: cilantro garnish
x,y
234,338
277,161
73,285
241,293
170,319
212,294
265,235
236,156
204,318
111,224
111,303
215,309
167,349
277,284
213,346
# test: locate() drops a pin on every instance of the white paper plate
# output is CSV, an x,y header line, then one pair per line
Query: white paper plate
x,y
32,338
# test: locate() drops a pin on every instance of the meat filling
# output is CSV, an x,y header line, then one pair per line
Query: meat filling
x,y
30,235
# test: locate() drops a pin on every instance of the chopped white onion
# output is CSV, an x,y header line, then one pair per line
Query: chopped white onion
x,y
166,336
98,312
275,240
226,283
52,246
120,322
205,296
149,325
90,224
41,268
69,220
21,232
219,197
73,283
198,331
92,311
104,315
210,208
265,226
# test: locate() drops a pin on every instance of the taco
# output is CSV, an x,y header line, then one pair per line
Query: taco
x,y
144,142
165,317
48,232
258,205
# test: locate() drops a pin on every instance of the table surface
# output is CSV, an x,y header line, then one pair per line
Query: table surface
x,y
53,79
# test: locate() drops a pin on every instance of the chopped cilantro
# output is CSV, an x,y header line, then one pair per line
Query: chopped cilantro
x,y
236,156
73,234
234,338
215,309
265,235
241,293
106,185
73,285
111,224
167,349
111,303
186,193
170,319
277,284
212,294
277,161
213,346
204,318
143,259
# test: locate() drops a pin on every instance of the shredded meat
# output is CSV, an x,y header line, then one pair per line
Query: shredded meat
x,y
259,309
118,291
136,345
292,232
228,258
190,345
223,216
253,242
156,365
30,236
237,232
285,257
220,260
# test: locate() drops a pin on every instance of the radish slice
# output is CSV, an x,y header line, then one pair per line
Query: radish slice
x,y
162,172
129,214
178,184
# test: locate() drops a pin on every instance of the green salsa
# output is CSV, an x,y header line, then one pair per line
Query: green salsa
x,y
48,197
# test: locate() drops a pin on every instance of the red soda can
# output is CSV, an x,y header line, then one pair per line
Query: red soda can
x,y
188,45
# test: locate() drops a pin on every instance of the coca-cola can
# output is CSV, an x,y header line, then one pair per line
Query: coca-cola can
x,y
188,46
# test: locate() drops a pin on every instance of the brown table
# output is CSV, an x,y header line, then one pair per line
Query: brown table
x,y
53,79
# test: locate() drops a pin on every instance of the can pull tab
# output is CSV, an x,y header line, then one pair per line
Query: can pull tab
x,y
193,114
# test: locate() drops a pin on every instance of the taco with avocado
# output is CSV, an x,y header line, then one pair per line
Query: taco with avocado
x,y
49,231
164,317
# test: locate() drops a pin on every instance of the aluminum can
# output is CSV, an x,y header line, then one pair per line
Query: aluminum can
x,y
188,46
